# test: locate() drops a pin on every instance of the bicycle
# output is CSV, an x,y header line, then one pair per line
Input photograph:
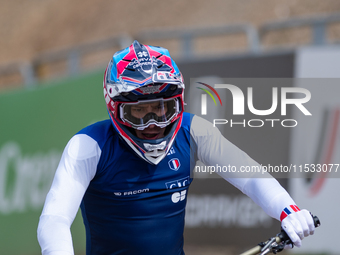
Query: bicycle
x,y
275,244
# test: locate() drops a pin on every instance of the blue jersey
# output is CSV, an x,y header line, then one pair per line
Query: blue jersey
x,y
131,206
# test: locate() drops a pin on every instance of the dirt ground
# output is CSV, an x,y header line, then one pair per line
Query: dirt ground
x,y
32,28
29,27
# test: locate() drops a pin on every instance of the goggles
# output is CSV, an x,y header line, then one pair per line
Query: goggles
x,y
142,114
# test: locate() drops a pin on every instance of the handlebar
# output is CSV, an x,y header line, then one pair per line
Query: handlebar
x,y
275,244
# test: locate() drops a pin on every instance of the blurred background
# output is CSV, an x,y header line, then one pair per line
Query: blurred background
x,y
53,54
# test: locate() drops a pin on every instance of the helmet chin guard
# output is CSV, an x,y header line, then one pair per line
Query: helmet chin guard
x,y
143,86
152,151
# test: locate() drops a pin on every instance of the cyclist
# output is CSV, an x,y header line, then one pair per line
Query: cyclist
x,y
130,174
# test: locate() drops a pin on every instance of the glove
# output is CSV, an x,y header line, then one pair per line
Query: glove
x,y
297,224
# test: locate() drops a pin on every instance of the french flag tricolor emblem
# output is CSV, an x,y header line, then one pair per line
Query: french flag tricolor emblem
x,y
174,164
288,210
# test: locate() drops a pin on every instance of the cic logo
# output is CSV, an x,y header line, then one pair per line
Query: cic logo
x,y
204,97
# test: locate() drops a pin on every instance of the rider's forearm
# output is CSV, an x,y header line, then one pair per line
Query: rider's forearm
x,y
59,211
54,235
268,194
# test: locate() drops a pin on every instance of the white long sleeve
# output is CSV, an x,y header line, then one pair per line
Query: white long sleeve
x,y
214,149
76,169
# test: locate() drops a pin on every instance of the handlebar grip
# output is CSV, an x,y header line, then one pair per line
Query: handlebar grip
x,y
317,222
284,237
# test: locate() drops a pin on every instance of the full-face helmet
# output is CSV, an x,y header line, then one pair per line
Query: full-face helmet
x,y
143,87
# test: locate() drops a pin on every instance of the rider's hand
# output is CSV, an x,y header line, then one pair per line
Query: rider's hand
x,y
297,224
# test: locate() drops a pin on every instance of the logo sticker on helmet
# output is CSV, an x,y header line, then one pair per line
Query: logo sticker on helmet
x,y
150,89
174,164
142,54
166,77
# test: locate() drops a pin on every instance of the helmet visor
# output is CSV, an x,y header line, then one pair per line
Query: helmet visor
x,y
144,113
